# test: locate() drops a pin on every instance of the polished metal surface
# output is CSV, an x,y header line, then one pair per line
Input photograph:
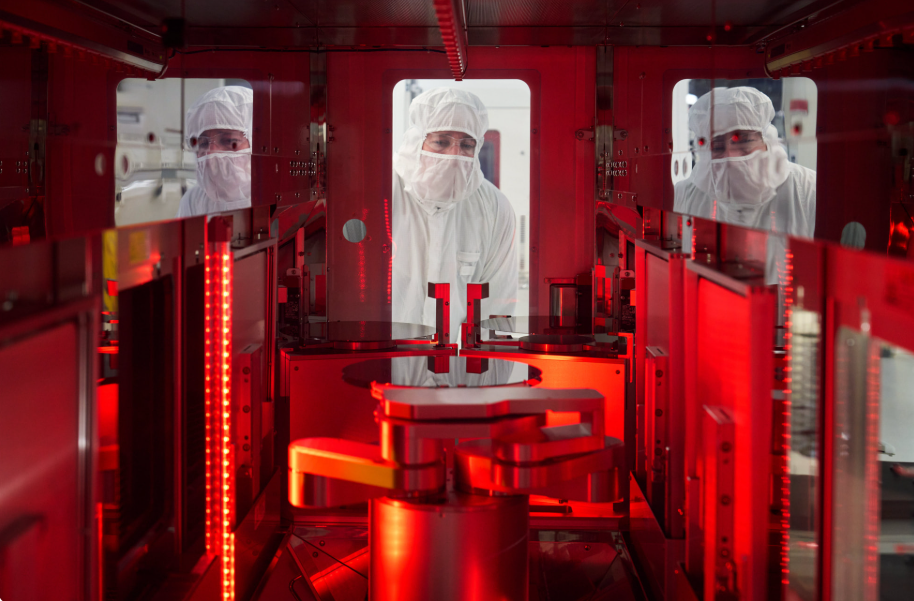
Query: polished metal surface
x,y
367,335
546,443
484,403
477,468
414,443
607,343
555,343
534,324
463,547
569,565
435,372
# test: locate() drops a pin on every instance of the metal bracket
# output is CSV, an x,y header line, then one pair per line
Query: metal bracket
x,y
442,295
585,134
470,330
718,433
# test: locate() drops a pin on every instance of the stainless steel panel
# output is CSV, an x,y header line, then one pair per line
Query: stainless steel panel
x,y
249,298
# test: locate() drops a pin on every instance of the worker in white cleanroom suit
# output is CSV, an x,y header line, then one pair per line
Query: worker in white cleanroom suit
x,y
450,225
218,129
742,174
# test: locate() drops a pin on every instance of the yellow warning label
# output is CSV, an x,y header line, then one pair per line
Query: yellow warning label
x,y
138,246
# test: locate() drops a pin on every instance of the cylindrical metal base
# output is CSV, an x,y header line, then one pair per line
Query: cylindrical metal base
x,y
470,547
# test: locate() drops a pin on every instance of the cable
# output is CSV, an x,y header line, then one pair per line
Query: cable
x,y
328,555
292,587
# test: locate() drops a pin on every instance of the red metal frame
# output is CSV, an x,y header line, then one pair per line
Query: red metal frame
x,y
853,281
659,322
643,81
729,363
360,106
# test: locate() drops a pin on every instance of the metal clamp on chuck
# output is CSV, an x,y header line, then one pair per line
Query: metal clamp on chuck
x,y
419,522
471,332
442,295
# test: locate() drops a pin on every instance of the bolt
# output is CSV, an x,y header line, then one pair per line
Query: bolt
x,y
296,368
659,413
246,409
447,303
587,547
618,372
659,373
314,554
725,500
246,447
321,543
725,447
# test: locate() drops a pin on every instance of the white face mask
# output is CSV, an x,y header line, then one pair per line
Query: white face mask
x,y
746,180
442,179
225,176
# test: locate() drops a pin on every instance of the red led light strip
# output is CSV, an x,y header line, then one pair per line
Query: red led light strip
x,y
873,486
389,240
453,35
220,453
784,427
52,45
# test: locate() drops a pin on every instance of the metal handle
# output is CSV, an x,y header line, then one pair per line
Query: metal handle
x,y
442,295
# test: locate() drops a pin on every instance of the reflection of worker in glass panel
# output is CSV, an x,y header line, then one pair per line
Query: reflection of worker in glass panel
x,y
218,129
742,174
450,225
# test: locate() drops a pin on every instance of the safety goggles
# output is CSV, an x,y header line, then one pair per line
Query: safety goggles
x,y
736,143
447,144
222,142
